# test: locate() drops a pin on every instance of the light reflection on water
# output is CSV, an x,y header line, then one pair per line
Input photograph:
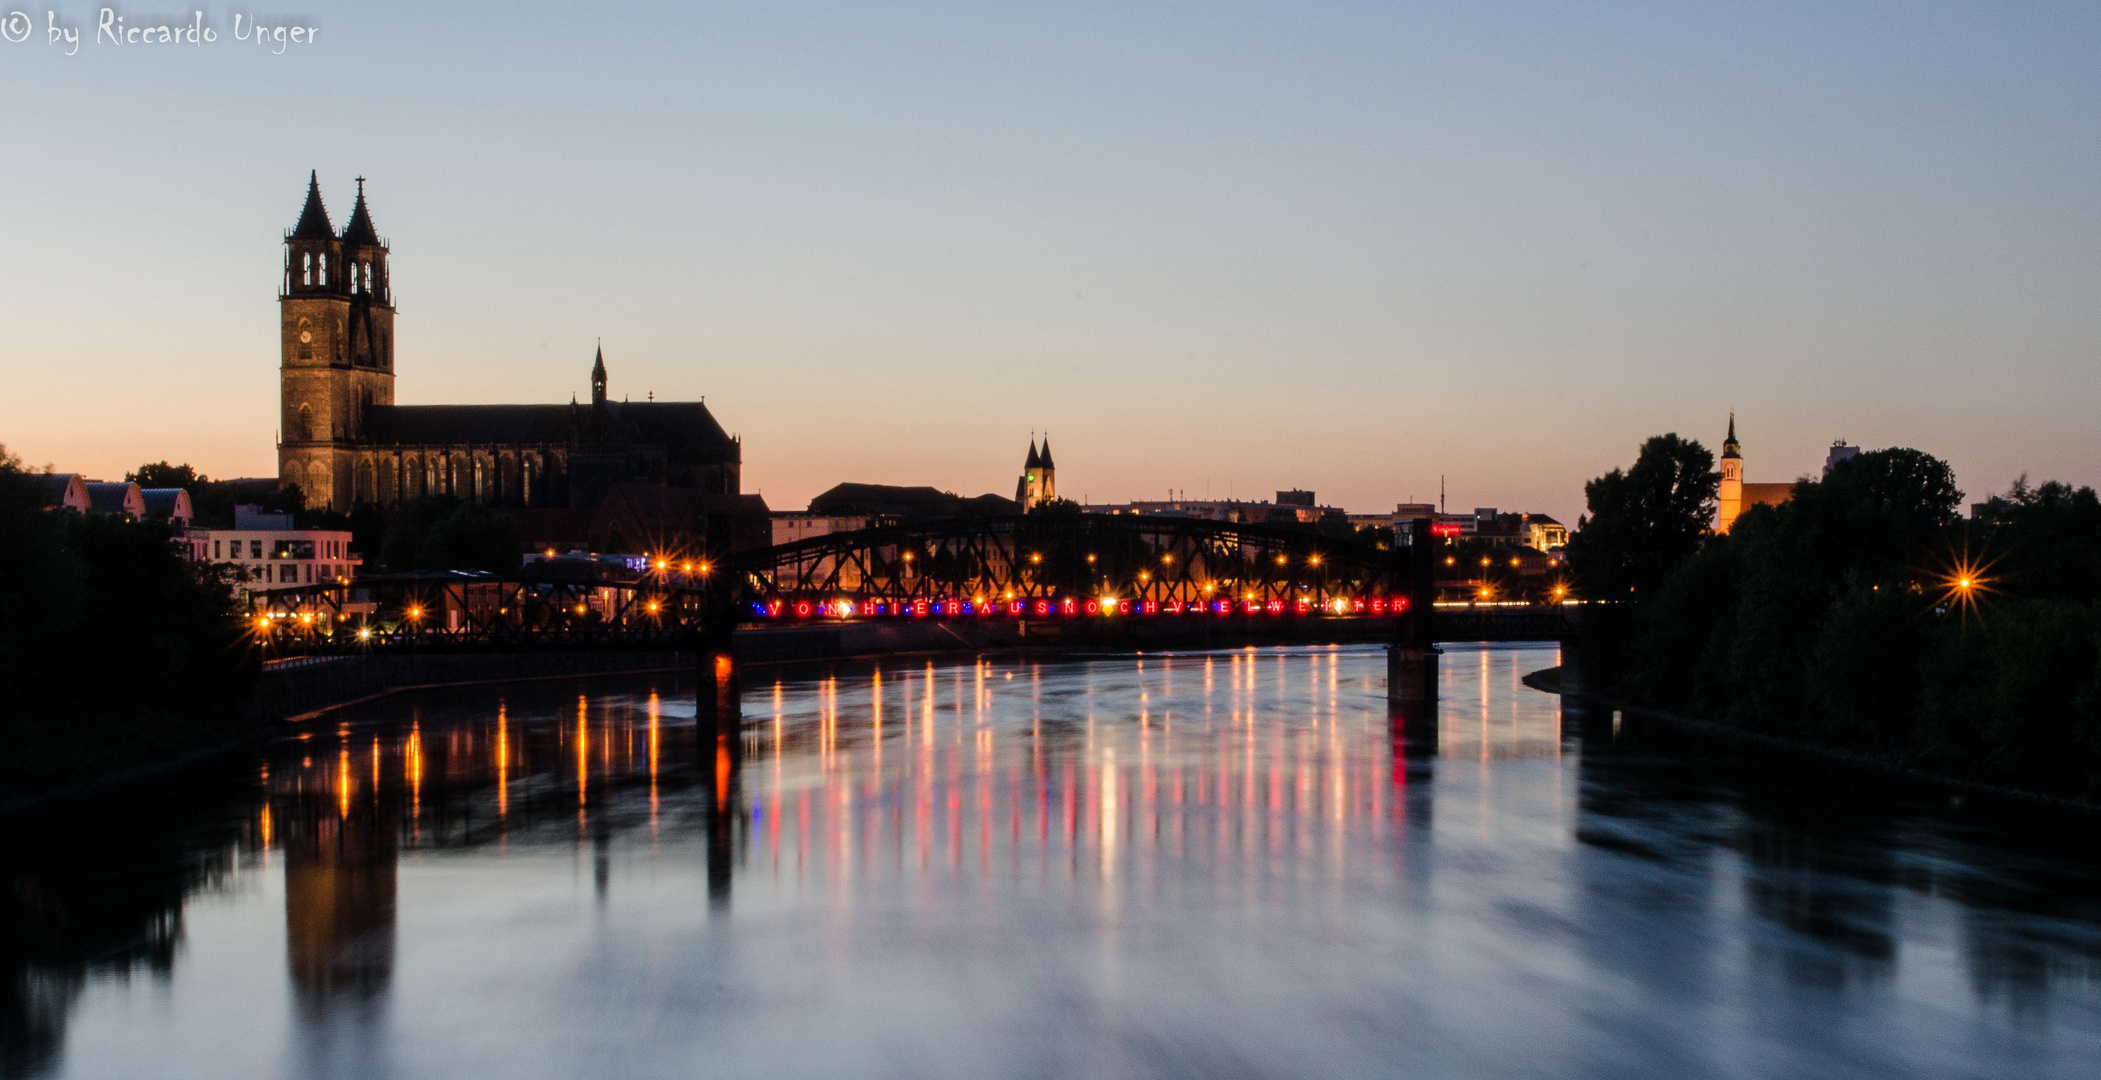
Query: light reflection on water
x,y
1202,864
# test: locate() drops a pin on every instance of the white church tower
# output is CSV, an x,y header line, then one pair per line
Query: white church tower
x,y
1732,492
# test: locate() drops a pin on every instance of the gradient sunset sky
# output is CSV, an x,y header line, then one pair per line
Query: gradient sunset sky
x,y
1220,248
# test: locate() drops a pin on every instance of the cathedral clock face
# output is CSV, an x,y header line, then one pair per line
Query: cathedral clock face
x,y
306,337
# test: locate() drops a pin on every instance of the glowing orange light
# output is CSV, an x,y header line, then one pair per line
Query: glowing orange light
x,y
1032,558
1966,583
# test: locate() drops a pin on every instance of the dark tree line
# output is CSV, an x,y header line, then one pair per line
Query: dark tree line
x,y
114,650
1861,613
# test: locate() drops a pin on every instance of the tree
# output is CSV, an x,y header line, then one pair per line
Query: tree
x,y
40,582
473,537
443,533
160,474
1055,508
1646,522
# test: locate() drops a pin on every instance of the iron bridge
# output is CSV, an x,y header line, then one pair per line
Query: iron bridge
x,y
1024,568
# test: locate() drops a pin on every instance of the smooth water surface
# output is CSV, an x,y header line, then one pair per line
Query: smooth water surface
x,y
1208,865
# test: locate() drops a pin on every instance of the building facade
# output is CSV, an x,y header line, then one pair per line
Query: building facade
x,y
1039,477
1735,496
344,441
266,552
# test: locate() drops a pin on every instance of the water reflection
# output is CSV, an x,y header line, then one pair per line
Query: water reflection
x,y
1236,862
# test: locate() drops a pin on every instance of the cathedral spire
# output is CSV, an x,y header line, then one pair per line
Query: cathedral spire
x,y
1730,449
598,379
313,221
1046,462
359,231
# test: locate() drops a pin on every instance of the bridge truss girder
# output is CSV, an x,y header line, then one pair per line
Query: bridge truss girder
x,y
1165,560
484,611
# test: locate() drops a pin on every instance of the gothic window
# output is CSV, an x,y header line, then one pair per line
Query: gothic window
x,y
303,424
306,269
322,277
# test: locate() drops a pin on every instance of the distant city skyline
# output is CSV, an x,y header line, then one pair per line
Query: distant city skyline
x,y
1349,249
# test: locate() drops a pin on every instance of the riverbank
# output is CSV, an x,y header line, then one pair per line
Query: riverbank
x,y
1548,680
55,754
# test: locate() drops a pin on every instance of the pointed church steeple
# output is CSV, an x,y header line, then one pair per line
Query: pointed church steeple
x,y
598,379
358,232
1730,449
1046,461
1034,462
313,221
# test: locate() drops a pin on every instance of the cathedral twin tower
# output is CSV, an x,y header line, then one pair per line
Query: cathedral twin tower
x,y
343,441
338,327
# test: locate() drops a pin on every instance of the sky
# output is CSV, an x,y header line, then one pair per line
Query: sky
x,y
1218,249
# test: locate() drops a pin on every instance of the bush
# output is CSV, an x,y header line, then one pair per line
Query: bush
x,y
1829,618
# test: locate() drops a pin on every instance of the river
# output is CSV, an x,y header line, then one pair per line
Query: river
x,y
1204,864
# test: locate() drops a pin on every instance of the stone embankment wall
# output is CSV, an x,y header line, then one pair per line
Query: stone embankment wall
x,y
293,689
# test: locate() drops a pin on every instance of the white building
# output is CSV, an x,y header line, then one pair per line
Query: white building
x,y
268,553
792,525
1293,506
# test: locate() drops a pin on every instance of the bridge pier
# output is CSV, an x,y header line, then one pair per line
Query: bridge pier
x,y
1411,675
719,703
1411,698
1411,661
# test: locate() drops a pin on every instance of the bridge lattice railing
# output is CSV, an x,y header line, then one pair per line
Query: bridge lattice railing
x,y
1002,561
473,609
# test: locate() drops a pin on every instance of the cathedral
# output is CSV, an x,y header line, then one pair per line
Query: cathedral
x,y
344,441
1039,477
